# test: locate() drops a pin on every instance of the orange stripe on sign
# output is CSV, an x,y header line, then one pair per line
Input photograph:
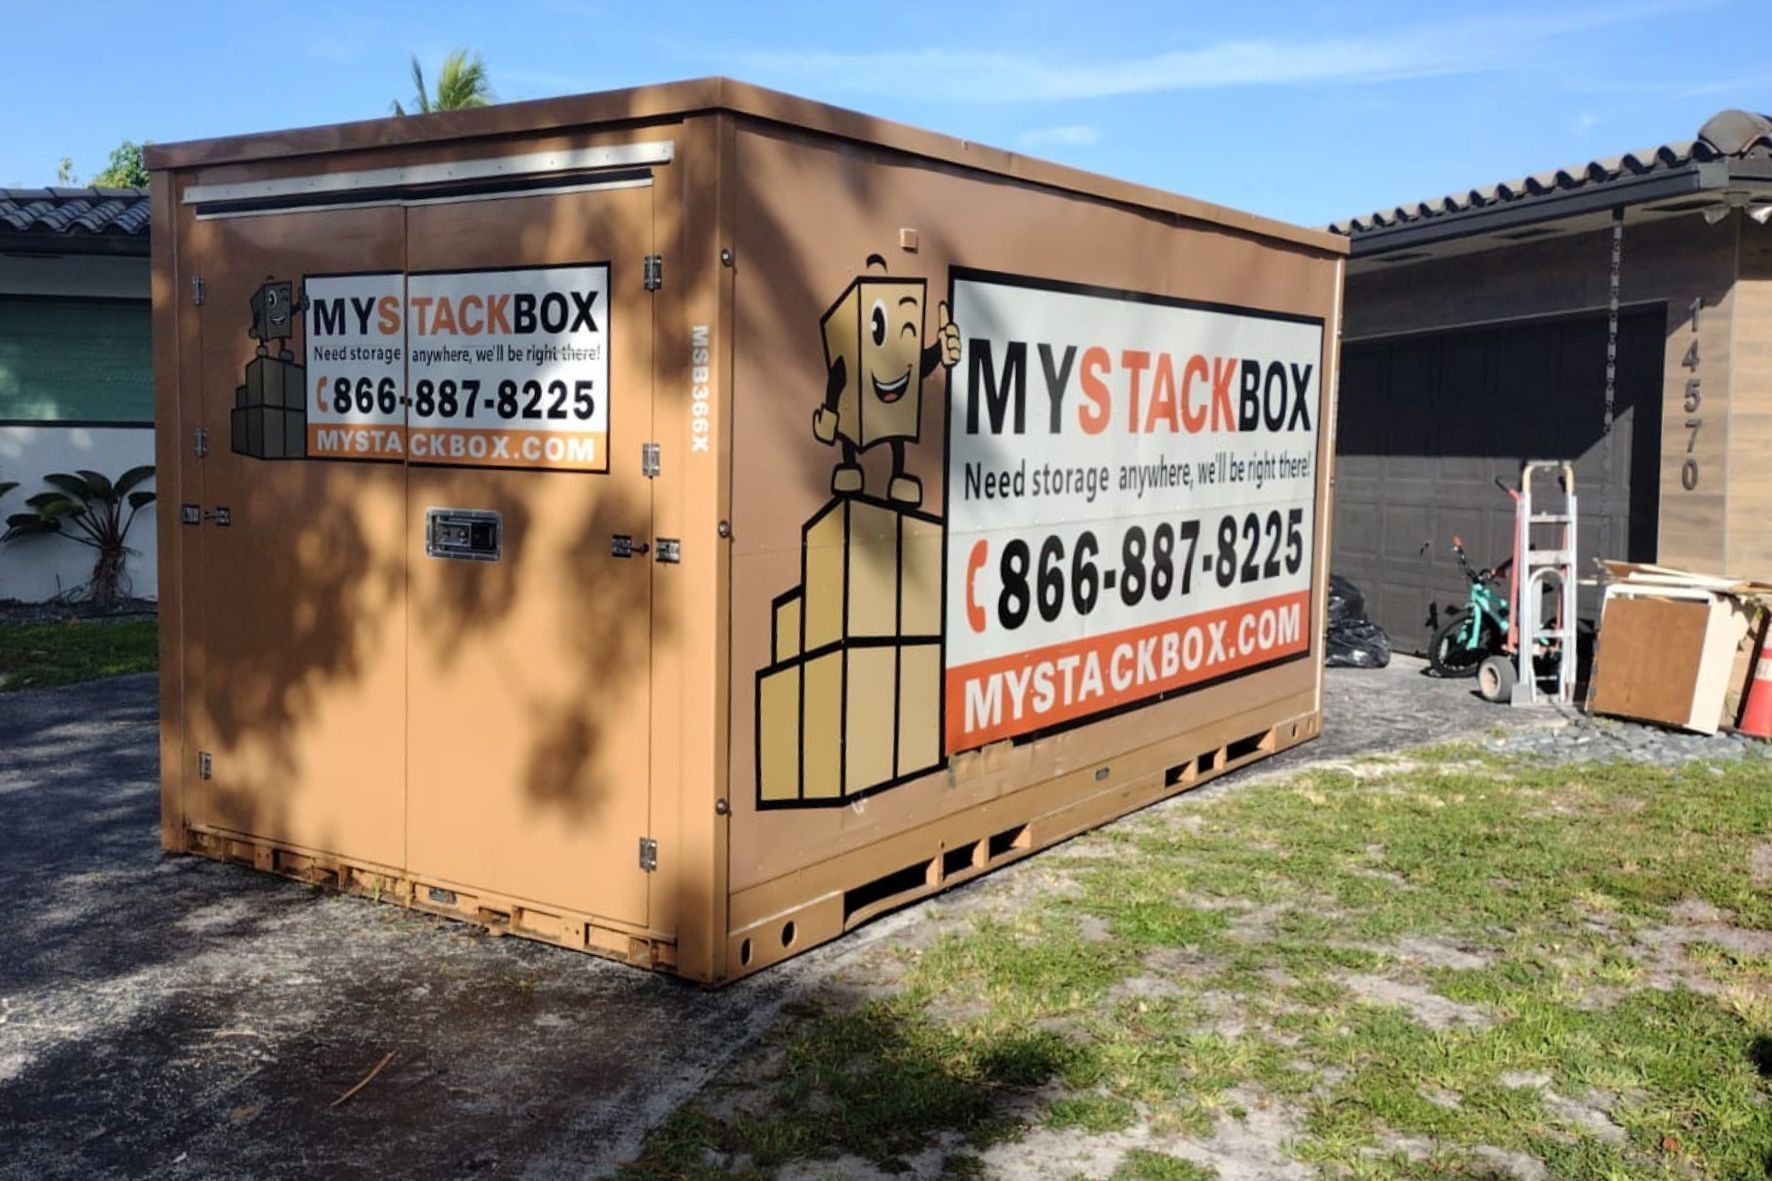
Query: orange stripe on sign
x,y
581,451
1024,692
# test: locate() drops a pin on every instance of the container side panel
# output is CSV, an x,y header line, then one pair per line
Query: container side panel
x,y
689,600
1042,481
172,483
294,584
528,748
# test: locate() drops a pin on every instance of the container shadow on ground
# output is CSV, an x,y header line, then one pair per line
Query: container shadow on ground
x,y
182,1018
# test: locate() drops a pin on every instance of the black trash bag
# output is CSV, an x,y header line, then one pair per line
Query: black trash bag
x,y
1352,640
1345,601
1356,644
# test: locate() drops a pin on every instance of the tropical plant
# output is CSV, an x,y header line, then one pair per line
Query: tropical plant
x,y
461,84
94,510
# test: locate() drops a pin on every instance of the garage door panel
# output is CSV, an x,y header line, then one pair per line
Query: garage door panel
x,y
1428,423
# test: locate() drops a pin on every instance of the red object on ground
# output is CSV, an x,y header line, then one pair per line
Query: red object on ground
x,y
1756,715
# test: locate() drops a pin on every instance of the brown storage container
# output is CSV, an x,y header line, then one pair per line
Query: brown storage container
x,y
686,522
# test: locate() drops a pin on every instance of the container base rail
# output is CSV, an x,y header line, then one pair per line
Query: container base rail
x,y
845,892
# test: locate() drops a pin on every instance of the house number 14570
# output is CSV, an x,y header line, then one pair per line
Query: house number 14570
x,y
1694,399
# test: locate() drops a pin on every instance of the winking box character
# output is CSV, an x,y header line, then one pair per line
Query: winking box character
x,y
873,344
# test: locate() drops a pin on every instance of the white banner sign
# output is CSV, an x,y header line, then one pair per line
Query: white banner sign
x,y
356,364
474,368
1131,489
510,368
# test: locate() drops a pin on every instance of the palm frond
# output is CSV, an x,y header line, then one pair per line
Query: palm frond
x,y
70,485
99,483
461,83
423,99
134,476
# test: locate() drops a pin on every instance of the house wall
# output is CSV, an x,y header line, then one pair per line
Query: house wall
x,y
67,274
1674,261
42,568
1750,408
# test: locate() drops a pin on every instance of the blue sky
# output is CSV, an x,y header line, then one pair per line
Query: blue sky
x,y
1291,110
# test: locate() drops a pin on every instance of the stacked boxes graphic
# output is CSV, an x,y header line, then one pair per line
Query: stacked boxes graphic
x,y
270,415
270,418
851,702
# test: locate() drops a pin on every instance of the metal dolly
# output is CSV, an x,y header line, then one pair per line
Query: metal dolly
x,y
1538,572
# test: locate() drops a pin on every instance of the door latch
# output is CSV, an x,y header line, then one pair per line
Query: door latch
x,y
670,549
650,454
190,514
220,515
621,545
648,854
654,272
200,443
205,765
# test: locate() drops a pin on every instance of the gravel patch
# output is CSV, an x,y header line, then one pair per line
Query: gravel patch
x,y
1519,1165
1560,734
1427,1007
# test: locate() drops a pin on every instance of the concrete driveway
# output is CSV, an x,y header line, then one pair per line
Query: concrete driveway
x,y
174,1017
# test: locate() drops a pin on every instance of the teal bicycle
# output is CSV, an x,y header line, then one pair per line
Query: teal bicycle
x,y
1476,630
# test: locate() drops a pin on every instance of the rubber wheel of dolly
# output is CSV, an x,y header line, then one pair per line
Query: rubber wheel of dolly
x,y
1496,678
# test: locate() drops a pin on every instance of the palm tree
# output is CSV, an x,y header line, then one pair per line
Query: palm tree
x,y
461,84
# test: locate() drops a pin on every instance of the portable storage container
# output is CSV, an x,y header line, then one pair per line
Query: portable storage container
x,y
684,523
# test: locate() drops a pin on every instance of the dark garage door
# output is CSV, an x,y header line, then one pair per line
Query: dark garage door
x,y
1428,422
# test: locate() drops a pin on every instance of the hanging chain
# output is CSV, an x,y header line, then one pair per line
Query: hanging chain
x,y
1612,315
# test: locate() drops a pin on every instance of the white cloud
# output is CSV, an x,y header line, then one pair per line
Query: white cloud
x,y
1726,86
1071,135
1462,47
1584,123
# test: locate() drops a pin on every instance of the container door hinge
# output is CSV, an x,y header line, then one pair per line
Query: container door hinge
x,y
648,854
205,764
654,272
649,458
197,291
200,442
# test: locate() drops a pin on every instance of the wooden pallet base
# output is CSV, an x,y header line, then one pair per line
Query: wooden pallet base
x,y
850,890
498,914
827,899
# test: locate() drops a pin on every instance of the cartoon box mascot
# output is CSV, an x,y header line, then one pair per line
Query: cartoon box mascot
x,y
873,343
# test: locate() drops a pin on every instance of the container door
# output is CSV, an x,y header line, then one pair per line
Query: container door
x,y
295,577
530,547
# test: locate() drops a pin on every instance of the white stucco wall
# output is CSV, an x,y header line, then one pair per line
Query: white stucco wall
x,y
42,568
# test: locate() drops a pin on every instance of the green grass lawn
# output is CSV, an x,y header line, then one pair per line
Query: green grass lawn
x,y
1444,966
38,655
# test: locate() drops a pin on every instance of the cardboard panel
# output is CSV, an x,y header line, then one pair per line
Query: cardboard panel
x,y
1666,660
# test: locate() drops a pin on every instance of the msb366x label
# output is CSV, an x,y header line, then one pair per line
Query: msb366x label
x,y
1131,493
